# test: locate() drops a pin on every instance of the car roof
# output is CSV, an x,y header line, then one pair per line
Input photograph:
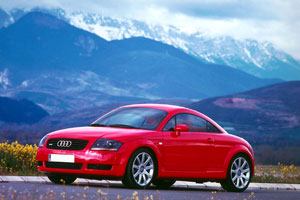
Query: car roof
x,y
165,107
173,108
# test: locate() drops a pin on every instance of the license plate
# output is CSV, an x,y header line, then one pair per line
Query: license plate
x,y
61,158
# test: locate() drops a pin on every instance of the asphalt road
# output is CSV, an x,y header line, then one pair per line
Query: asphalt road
x,y
27,191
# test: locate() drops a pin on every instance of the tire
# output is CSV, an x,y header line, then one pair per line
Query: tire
x,y
163,183
62,179
239,174
140,170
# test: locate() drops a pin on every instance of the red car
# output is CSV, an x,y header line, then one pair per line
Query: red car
x,y
148,143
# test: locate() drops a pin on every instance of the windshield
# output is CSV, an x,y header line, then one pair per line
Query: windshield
x,y
133,117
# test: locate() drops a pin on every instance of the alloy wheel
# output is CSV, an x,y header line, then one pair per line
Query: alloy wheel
x,y
240,172
143,169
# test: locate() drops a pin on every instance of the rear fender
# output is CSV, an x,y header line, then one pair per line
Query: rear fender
x,y
239,149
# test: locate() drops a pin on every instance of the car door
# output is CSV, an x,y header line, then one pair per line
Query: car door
x,y
188,151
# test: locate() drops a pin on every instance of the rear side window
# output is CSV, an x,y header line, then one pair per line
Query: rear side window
x,y
195,123
211,128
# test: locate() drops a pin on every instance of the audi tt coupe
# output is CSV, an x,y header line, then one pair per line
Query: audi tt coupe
x,y
148,143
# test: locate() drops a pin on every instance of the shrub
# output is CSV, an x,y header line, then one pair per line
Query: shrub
x,y
18,159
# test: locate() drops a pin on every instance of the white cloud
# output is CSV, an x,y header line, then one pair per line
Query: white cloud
x,y
276,21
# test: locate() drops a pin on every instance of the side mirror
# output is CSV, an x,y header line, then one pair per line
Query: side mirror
x,y
181,128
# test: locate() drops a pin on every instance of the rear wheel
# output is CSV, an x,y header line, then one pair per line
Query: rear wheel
x,y
238,174
163,183
140,169
61,179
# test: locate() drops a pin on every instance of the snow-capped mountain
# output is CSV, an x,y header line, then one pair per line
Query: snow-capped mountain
x,y
259,59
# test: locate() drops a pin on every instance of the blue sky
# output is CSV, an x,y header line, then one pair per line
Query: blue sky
x,y
276,21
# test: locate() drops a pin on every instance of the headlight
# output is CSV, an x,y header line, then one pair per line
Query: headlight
x,y
106,145
43,140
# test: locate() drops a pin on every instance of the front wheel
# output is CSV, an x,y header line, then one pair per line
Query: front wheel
x,y
140,169
238,174
61,179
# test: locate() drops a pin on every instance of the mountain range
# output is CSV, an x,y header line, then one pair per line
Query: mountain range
x,y
261,59
61,67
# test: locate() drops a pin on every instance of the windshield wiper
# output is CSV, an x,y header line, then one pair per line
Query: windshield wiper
x,y
98,125
122,126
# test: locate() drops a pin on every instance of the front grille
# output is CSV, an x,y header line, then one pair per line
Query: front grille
x,y
71,144
62,165
99,167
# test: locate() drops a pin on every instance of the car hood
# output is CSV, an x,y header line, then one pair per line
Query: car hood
x,y
120,134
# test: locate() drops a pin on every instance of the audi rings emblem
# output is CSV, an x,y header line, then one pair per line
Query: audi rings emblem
x,y
64,143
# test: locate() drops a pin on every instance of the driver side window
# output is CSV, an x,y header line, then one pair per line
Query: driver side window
x,y
195,123
170,126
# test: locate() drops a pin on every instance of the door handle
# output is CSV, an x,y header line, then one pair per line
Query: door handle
x,y
210,140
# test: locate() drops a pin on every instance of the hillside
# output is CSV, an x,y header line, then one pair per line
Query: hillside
x,y
20,111
268,115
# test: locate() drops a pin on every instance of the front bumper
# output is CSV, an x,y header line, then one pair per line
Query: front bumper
x,y
87,162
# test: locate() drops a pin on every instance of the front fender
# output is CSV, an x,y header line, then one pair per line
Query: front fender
x,y
132,146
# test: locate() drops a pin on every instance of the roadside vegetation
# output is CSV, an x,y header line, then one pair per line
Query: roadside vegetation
x,y
18,159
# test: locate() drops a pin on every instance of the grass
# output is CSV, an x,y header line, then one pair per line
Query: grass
x,y
279,173
20,160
